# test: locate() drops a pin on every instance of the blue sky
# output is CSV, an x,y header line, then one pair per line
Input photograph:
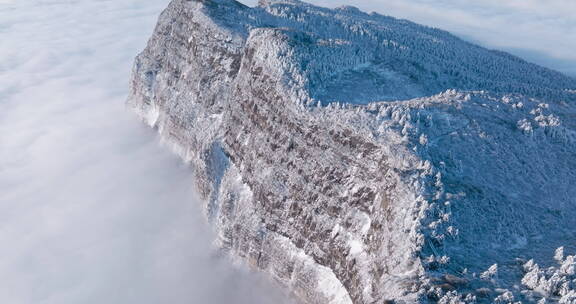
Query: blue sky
x,y
541,31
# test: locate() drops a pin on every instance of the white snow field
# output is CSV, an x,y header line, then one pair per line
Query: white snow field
x,y
92,208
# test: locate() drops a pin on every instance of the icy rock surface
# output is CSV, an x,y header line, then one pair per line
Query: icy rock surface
x,y
357,158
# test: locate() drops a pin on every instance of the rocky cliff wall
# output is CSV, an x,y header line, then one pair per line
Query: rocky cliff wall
x,y
410,201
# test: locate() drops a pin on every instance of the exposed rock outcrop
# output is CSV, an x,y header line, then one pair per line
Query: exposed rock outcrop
x,y
357,158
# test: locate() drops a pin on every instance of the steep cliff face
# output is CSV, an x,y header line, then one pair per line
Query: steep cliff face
x,y
334,154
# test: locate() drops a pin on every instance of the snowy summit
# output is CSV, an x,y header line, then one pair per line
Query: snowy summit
x,y
358,158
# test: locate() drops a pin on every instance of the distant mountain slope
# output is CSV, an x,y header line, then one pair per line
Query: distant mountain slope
x,y
388,58
359,158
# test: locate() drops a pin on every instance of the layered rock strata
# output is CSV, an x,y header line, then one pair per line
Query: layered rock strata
x,y
357,158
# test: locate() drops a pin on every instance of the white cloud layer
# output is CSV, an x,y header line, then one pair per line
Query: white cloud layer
x,y
541,31
92,209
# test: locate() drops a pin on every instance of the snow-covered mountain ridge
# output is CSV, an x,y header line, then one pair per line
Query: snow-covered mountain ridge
x,y
357,158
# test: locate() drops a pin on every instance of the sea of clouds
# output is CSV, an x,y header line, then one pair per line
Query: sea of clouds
x,y
540,31
92,208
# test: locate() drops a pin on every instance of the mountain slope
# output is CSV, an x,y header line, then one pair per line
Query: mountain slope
x,y
359,158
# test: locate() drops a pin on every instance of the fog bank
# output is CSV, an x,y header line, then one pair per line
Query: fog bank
x,y
92,208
